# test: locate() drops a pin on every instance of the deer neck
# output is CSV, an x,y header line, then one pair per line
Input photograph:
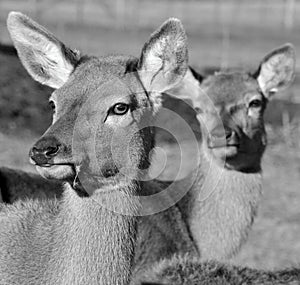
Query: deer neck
x,y
93,245
220,208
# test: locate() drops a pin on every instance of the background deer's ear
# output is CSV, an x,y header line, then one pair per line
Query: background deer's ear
x,y
277,70
164,59
45,58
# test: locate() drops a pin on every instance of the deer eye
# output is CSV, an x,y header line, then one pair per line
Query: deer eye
x,y
120,109
198,110
52,105
256,103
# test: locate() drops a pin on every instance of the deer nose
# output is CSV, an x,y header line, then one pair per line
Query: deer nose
x,y
44,150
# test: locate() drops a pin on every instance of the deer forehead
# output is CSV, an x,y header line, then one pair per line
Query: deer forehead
x,y
230,88
107,80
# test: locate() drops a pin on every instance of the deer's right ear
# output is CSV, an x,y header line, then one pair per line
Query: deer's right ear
x,y
164,59
277,70
45,58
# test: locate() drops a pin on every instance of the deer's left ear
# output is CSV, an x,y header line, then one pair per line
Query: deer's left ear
x,y
277,70
164,59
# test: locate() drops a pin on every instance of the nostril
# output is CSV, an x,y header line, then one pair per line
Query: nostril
x,y
44,150
33,151
52,150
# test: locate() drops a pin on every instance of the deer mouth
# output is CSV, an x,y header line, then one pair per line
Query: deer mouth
x,y
224,151
58,171
224,147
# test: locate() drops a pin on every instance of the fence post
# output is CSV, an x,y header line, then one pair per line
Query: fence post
x,y
225,47
80,11
120,13
37,10
225,25
289,14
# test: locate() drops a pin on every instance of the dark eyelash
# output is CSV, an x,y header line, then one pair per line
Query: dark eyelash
x,y
255,103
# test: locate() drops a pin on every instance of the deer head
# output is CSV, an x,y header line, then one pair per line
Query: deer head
x,y
231,105
102,107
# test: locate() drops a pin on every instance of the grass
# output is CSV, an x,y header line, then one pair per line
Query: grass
x,y
24,115
14,151
274,240
23,102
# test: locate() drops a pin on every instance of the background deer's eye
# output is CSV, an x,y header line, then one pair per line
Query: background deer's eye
x,y
52,105
256,103
120,109
198,110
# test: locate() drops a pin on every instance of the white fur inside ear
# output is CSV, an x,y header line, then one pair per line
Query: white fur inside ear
x,y
154,57
269,71
45,57
154,64
59,69
262,82
164,57
277,70
51,59
163,54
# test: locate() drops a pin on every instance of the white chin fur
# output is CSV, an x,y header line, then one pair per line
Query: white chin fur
x,y
225,152
59,172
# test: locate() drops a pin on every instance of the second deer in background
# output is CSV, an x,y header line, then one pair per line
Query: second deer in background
x,y
222,203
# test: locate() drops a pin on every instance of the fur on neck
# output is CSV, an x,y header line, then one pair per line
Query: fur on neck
x,y
220,208
91,244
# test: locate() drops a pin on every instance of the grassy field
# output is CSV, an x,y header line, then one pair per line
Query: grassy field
x,y
275,238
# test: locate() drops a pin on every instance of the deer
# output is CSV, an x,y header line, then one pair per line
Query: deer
x,y
226,186
218,229
91,237
221,205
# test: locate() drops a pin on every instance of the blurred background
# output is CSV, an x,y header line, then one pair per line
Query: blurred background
x,y
222,34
